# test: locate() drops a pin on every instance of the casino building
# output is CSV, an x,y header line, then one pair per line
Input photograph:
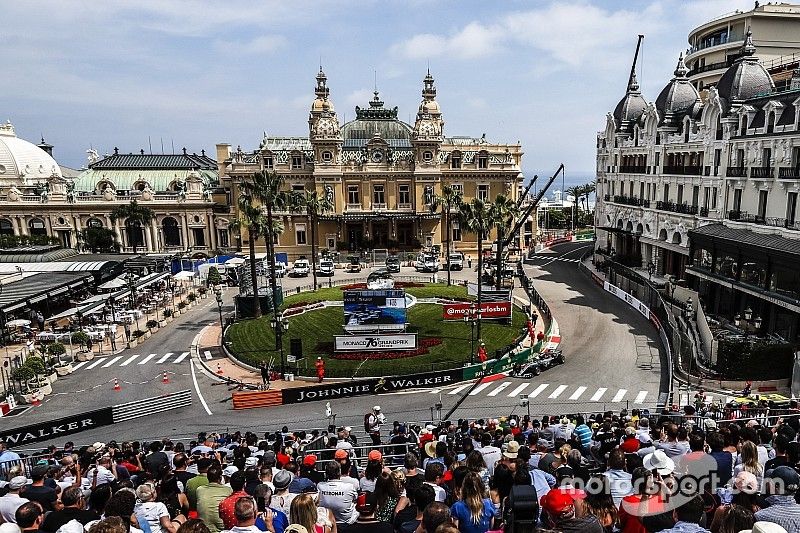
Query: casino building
x,y
381,174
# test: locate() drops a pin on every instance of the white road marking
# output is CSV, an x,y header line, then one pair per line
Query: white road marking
x,y
556,393
619,395
146,359
111,362
479,388
197,389
538,390
130,360
577,394
499,389
98,362
207,354
459,389
166,356
640,397
76,367
597,395
518,390
181,357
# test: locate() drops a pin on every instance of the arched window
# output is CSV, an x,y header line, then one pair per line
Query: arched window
x,y
743,126
687,127
771,122
172,234
6,227
140,185
719,129
37,227
94,223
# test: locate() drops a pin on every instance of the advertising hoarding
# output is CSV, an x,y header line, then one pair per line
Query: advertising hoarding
x,y
392,342
458,311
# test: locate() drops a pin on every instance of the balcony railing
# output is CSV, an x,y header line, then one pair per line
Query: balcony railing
x,y
633,169
631,200
354,207
684,209
404,205
744,216
790,173
761,172
378,205
683,170
736,172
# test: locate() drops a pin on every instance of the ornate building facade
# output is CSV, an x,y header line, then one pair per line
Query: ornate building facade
x,y
380,173
38,200
705,189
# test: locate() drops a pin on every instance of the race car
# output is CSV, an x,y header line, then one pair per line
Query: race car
x,y
547,359
754,400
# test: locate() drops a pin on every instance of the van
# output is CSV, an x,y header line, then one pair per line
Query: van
x,y
300,268
455,261
326,268
426,263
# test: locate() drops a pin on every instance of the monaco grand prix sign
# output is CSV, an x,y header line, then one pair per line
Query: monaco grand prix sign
x,y
488,310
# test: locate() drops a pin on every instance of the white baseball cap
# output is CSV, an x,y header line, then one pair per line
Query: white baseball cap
x,y
376,408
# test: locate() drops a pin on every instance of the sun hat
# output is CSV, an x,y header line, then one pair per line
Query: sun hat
x,y
376,408
229,470
282,479
340,454
512,450
765,527
17,482
659,462
375,455
746,482
8,527
430,449
250,462
295,528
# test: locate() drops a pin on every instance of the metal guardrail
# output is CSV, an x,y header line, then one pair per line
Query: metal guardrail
x,y
149,406
392,453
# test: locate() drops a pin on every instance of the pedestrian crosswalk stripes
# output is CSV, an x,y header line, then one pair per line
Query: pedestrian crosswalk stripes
x,y
545,391
129,360
181,357
98,362
166,356
76,367
112,361
146,359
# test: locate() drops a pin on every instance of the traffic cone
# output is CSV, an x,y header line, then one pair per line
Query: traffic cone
x,y
219,369
165,378
116,385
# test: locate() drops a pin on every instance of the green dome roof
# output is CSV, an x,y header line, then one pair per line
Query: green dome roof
x,y
376,118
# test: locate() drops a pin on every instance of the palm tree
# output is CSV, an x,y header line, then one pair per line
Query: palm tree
x,y
588,190
135,216
502,214
252,218
475,218
265,187
315,204
450,198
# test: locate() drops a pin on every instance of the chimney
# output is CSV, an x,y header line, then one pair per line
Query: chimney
x,y
116,151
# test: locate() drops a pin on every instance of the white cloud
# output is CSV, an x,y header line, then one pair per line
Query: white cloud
x,y
264,44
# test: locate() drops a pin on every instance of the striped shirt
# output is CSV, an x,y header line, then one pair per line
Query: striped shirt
x,y
783,510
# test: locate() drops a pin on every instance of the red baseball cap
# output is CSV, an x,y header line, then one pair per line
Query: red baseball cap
x,y
630,445
557,501
340,454
310,460
375,455
282,459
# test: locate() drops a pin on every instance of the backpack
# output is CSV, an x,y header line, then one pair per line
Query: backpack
x,y
367,426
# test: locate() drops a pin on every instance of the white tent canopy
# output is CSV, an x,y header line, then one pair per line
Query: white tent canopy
x,y
234,261
184,275
116,283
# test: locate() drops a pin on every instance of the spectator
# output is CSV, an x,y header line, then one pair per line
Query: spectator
x,y
156,461
315,519
197,481
11,501
422,497
780,444
583,433
736,519
723,458
169,493
619,481
338,496
559,512
7,455
749,462
29,517
263,499
122,505
371,472
491,454
744,496
410,467
37,491
687,517
112,524
781,485
387,498
366,521
209,496
673,447
433,476
642,502
282,499
153,512
435,514
193,525
473,513
600,503
74,509
227,507
181,463
245,515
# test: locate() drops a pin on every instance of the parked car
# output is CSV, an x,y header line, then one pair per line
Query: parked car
x,y
393,263
353,264
455,261
300,269
326,268
426,263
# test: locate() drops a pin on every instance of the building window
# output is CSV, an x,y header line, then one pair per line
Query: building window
x,y
199,235
427,156
353,197
762,204
297,161
641,190
94,223
172,232
706,197
378,196
771,123
737,200
404,194
695,195
37,227
791,208
483,192
6,228
327,156
630,188
455,160
300,233
269,163
666,192
299,188
680,194
648,191
743,127
483,161
456,230
458,188
224,239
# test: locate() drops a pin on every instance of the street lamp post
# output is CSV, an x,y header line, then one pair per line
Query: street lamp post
x,y
130,277
218,296
472,316
280,324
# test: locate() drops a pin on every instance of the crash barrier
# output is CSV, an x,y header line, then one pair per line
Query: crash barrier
x,y
253,399
69,425
587,236
532,293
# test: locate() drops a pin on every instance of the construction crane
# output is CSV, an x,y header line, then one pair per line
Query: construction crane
x,y
531,208
527,190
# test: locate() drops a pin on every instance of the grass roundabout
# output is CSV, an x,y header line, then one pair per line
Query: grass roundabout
x,y
253,341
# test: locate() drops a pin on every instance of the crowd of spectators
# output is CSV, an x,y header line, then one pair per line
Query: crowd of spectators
x,y
613,471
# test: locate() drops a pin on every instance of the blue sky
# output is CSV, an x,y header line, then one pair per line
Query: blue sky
x,y
106,74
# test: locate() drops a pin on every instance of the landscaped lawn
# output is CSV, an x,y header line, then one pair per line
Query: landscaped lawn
x,y
254,341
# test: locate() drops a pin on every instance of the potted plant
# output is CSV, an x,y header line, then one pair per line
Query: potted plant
x,y
39,380
55,351
81,339
151,325
168,314
192,297
203,292
181,307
